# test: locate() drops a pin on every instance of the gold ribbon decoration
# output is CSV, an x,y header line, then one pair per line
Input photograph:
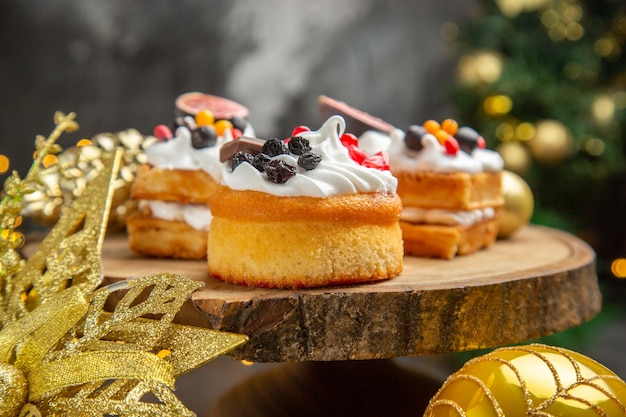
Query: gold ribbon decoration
x,y
61,352
13,389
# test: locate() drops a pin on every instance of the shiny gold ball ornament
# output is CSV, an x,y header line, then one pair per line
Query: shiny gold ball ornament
x,y
531,380
518,204
552,142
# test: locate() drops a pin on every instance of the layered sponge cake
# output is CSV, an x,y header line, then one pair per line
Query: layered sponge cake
x,y
174,188
450,185
304,212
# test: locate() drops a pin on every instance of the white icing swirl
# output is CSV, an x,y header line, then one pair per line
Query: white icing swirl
x,y
432,157
446,217
178,153
490,160
197,216
374,141
336,174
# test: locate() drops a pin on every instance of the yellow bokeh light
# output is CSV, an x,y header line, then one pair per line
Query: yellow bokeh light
x,y
603,109
4,164
483,67
574,31
604,47
550,18
572,13
498,105
594,146
246,363
505,132
525,131
618,268
558,32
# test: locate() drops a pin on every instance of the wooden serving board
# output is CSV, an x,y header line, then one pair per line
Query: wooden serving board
x,y
538,282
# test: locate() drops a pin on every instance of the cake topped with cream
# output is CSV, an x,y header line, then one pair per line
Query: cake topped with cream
x,y
314,163
449,183
434,147
317,196
195,142
175,186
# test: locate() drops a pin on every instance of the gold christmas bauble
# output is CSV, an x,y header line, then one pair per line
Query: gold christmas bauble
x,y
532,380
515,156
518,204
552,142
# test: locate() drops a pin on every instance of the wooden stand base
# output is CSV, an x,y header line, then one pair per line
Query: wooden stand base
x,y
538,282
344,388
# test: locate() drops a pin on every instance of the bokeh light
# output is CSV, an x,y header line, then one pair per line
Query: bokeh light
x,y
618,268
4,164
498,105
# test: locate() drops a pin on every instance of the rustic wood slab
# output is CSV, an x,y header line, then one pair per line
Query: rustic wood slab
x,y
537,283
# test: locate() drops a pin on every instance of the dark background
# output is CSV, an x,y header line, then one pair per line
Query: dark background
x,y
120,64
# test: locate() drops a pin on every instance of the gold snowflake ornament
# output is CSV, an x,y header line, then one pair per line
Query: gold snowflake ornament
x,y
61,353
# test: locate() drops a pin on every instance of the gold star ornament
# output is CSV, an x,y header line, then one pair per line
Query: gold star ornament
x,y
61,352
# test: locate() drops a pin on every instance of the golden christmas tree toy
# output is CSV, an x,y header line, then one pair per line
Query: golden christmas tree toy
x,y
61,353
518,204
64,181
534,380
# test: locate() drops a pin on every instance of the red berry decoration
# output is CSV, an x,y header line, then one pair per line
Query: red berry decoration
x,y
162,132
348,139
357,154
299,129
481,142
378,161
236,133
452,146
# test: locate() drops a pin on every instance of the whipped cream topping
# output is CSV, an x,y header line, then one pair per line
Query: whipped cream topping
x,y
178,152
446,217
336,174
197,216
432,157
490,160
